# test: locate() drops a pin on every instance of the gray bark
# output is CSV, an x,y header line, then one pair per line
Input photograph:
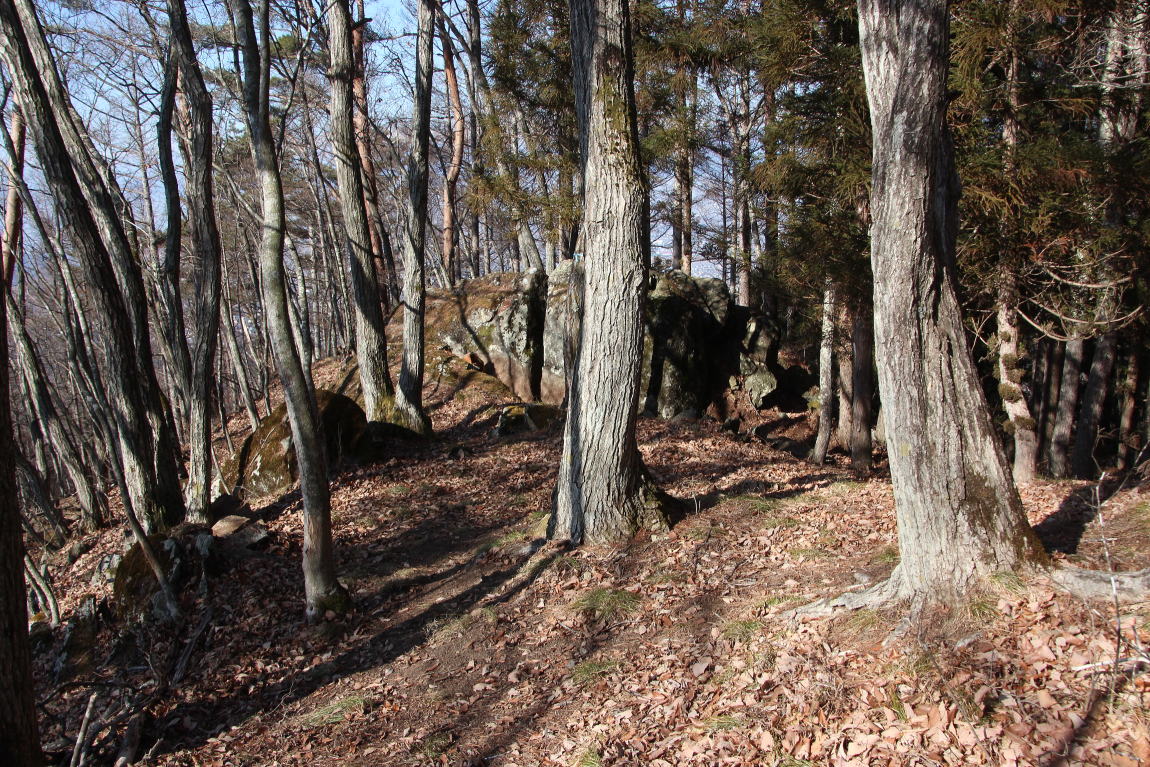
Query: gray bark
x,y
603,494
322,590
409,395
959,516
370,330
1128,439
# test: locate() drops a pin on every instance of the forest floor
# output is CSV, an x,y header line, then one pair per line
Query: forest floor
x,y
474,643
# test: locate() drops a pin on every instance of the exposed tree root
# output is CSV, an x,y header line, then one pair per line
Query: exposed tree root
x,y
1096,584
882,593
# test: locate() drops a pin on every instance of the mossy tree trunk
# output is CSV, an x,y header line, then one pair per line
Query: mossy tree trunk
x,y
603,494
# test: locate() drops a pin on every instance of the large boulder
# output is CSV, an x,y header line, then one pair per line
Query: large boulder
x,y
496,320
265,465
563,312
687,319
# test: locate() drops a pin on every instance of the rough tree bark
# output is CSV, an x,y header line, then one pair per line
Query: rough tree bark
x,y
959,516
323,591
603,493
862,388
409,396
370,329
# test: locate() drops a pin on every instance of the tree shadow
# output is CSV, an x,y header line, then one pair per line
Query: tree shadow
x,y
1062,530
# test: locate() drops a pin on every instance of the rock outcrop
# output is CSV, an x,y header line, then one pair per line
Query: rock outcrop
x,y
265,465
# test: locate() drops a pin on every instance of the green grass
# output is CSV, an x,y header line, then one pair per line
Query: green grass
x,y
336,711
782,599
590,670
775,521
742,631
809,552
608,604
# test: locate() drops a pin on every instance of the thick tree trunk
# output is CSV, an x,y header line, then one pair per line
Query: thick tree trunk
x,y
603,494
1090,412
409,396
959,516
1020,423
826,377
370,330
1067,407
862,388
323,591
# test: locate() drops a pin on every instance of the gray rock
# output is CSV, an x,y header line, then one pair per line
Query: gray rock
x,y
105,571
759,387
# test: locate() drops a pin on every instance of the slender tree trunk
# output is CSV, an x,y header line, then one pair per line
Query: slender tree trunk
x,y
959,515
409,397
204,314
1021,424
1090,411
455,166
370,329
826,376
1051,383
862,389
323,591
143,428
1128,438
603,494
1067,407
380,239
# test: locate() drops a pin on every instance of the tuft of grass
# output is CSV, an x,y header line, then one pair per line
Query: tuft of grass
x,y
607,604
590,758
1008,581
395,491
845,487
724,723
452,623
742,631
336,711
982,609
435,746
590,670
809,552
777,521
887,555
786,760
775,601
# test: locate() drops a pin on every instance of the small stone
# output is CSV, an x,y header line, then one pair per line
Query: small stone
x,y
330,615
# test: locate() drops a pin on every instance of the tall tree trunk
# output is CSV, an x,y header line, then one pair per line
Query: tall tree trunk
x,y
323,591
455,166
1090,412
1128,438
370,329
1051,383
143,436
380,239
862,387
603,493
1067,407
204,312
959,515
409,397
826,377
